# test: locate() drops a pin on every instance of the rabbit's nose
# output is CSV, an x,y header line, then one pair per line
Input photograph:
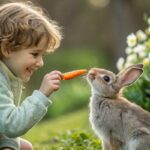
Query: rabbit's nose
x,y
92,74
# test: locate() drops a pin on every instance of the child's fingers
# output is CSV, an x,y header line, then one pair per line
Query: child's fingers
x,y
55,87
53,75
56,75
56,72
55,82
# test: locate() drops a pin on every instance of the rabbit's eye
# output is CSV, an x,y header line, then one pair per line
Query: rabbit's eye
x,y
106,78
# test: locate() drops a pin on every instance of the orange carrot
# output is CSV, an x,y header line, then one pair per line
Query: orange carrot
x,y
73,74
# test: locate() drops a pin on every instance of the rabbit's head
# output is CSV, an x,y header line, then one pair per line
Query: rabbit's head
x,y
107,84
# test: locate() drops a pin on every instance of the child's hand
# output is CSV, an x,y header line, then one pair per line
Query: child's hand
x,y
51,82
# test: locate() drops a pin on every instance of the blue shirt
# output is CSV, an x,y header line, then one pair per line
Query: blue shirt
x,y
17,118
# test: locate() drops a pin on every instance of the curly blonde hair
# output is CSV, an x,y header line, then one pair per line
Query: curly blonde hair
x,y
24,25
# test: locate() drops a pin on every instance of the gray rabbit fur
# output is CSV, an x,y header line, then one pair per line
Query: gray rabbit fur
x,y
120,124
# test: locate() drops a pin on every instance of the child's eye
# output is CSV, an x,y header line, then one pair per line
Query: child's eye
x,y
35,54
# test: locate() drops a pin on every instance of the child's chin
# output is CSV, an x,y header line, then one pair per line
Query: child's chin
x,y
26,79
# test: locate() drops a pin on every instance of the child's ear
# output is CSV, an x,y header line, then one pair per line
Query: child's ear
x,y
129,75
5,49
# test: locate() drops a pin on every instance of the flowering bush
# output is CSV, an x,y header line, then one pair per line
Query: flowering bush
x,y
138,51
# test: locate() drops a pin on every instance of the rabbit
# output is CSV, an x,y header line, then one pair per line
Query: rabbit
x,y
120,124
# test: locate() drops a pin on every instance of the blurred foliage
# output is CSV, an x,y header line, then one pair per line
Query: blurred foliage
x,y
73,94
78,140
138,51
69,131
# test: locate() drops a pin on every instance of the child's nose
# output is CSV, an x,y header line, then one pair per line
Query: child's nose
x,y
40,63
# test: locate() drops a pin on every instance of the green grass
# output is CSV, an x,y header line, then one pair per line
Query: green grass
x,y
48,133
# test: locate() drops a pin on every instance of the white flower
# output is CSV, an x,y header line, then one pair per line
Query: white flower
x,y
142,54
141,36
128,50
120,63
139,48
131,40
131,58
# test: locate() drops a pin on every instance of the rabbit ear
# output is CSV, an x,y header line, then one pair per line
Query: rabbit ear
x,y
129,75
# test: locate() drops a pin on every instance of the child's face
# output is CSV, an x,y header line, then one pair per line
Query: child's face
x,y
24,62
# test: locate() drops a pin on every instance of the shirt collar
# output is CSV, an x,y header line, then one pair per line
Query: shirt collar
x,y
9,72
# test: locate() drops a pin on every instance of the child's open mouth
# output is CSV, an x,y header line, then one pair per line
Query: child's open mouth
x,y
30,71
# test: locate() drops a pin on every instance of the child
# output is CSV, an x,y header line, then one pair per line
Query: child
x,y
26,34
